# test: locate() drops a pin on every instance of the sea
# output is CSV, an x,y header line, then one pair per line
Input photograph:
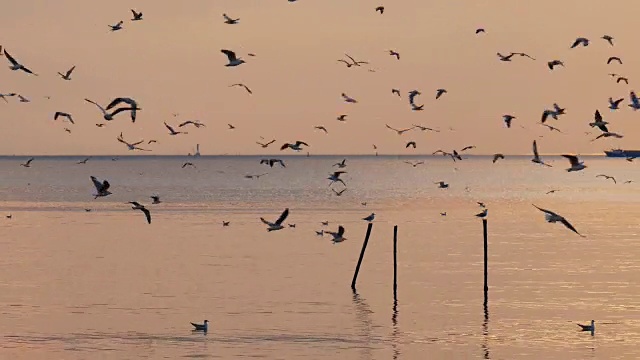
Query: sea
x,y
86,278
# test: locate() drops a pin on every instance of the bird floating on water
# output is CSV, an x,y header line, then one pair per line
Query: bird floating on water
x,y
591,327
201,327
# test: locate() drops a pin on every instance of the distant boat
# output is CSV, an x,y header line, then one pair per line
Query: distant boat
x,y
622,153
197,150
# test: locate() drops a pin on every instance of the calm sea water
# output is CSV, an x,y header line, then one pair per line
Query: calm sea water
x,y
105,284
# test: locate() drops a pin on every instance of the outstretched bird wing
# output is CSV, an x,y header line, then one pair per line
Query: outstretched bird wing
x,y
147,214
230,54
282,217
569,226
572,159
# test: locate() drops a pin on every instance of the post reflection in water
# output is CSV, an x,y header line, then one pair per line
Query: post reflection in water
x,y
485,332
394,333
363,315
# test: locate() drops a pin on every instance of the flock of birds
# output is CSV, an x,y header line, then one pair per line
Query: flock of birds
x,y
129,106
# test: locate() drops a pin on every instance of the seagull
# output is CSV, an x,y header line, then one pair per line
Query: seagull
x,y
102,188
338,193
467,148
552,217
394,53
138,206
136,15
396,91
156,199
233,60
622,78
635,103
524,54
505,57
266,145
591,327
231,127
423,128
173,132
612,58
201,327
356,63
349,99
507,119
15,65
628,182
321,128
255,176
295,147
188,164
117,26
536,158
63,114
131,146
292,225
482,214
496,157
106,115
4,96
337,236
551,191
412,95
341,164
67,75
608,177
151,141
480,30
551,128
411,143
129,101
380,9
554,63
28,163
608,134
324,223
608,38
242,85
481,204
226,223
83,161
580,41
67,130
277,225
439,93
370,217
400,132
335,177
442,184
271,162
23,99
613,104
342,117
196,123
414,164
228,20
601,124
319,233
576,165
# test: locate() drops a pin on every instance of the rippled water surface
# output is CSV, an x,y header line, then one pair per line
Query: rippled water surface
x,y
78,284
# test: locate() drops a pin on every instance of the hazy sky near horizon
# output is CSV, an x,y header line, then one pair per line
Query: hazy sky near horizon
x,y
171,63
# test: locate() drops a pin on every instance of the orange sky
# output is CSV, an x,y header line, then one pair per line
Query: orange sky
x,y
171,63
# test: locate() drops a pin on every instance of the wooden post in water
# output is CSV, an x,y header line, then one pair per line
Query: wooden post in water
x,y
395,262
364,247
486,258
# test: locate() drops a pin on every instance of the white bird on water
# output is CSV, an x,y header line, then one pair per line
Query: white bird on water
x,y
277,225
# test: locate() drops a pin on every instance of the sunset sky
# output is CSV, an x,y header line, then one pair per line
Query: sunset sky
x,y
171,63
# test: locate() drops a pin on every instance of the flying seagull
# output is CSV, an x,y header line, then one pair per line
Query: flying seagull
x,y
136,15
67,75
399,132
15,65
133,106
242,85
608,38
23,99
83,161
394,53
411,143
507,120
188,164
271,162
63,114
423,128
321,128
228,20
138,206
265,145
576,164
442,184
599,122
635,102
233,60
396,91
335,177
201,327
505,57
341,164
552,217
496,157
172,131
131,146
117,26
28,163
277,225
380,9
607,177
337,236
338,193
195,123
580,41
614,58
414,164
156,199
105,114
102,188
439,93
480,30
295,147
554,63
349,99
622,78
342,117
536,157
354,62
613,104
